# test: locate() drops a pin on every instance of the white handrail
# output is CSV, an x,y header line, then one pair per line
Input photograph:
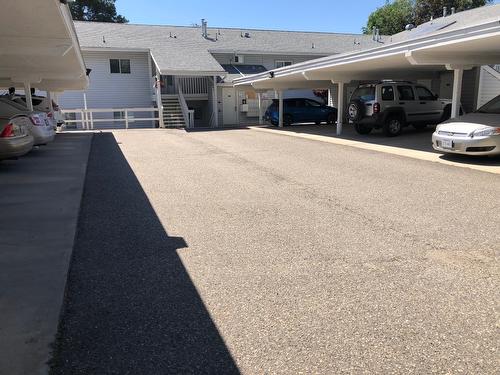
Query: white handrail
x,y
186,112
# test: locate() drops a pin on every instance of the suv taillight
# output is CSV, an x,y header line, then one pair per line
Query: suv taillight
x,y
36,120
376,108
8,131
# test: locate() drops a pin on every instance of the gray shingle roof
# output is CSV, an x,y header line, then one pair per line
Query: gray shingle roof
x,y
183,49
451,22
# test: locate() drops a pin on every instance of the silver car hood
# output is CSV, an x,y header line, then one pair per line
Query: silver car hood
x,y
470,122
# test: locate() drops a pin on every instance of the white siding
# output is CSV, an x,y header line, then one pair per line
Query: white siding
x,y
489,86
107,90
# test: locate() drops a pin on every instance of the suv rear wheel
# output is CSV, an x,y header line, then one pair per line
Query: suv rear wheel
x,y
393,126
356,110
362,129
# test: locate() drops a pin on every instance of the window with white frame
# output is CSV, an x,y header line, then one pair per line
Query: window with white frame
x,y
282,63
119,66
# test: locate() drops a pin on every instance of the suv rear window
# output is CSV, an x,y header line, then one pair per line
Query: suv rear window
x,y
365,94
406,93
388,93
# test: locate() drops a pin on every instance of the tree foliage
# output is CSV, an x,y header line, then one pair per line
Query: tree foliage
x,y
396,14
390,18
425,9
96,10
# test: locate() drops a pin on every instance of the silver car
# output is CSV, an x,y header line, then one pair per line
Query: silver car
x,y
15,138
40,127
476,133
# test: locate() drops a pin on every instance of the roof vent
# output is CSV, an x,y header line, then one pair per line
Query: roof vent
x,y
409,27
452,10
204,31
247,35
313,46
103,39
445,11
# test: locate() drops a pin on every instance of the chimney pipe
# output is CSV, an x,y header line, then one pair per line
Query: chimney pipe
x,y
445,10
374,32
204,31
453,10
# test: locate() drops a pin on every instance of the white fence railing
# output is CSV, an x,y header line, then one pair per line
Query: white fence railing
x,y
193,85
88,121
186,112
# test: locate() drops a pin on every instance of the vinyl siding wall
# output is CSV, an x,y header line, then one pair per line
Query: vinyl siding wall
x,y
114,90
489,86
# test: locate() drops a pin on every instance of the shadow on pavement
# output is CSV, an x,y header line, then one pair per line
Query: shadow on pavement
x,y
410,138
131,307
209,129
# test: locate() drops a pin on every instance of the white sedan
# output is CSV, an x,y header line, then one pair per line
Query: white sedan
x,y
476,133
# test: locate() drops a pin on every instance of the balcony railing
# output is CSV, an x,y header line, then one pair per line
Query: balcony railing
x,y
197,86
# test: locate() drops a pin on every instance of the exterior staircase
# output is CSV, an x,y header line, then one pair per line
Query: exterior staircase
x,y
172,112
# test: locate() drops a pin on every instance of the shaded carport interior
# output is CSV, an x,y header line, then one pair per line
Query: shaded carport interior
x,y
39,47
420,58
40,192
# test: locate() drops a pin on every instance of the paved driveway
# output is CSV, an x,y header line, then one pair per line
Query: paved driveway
x,y
244,251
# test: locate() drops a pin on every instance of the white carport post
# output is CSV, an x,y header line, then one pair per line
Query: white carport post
x,y
49,98
280,108
259,96
216,103
458,74
27,93
340,107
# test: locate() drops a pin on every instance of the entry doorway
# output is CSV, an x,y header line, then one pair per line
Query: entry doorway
x,y
229,106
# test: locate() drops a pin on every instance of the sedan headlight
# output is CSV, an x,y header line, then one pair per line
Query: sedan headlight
x,y
485,132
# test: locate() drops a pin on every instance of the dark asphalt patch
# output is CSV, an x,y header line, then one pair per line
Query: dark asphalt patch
x,y
131,307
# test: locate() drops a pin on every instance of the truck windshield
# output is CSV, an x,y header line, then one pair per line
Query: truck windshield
x,y
365,94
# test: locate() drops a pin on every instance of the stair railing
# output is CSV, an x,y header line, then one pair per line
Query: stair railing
x,y
186,112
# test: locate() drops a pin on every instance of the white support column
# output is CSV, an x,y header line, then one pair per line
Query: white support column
x,y
216,104
457,92
85,115
340,107
280,108
27,93
159,103
259,96
49,98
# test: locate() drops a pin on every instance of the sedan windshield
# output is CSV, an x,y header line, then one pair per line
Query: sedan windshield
x,y
492,106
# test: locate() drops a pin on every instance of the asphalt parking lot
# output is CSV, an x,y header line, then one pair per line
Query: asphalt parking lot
x,y
242,251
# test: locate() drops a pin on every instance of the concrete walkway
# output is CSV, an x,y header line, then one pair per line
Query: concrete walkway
x,y
39,204
412,143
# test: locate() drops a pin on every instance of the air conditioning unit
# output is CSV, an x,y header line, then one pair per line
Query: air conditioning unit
x,y
238,59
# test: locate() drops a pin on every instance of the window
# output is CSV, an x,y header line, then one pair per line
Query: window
x,y
119,66
424,94
125,66
406,93
119,115
281,64
387,93
364,93
312,103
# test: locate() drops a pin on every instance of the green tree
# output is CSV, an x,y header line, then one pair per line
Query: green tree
x,y
395,15
425,9
391,18
96,10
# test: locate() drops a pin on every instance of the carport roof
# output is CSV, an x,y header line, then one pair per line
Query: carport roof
x,y
472,38
183,50
38,44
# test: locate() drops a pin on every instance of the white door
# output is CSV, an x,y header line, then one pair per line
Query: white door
x,y
229,106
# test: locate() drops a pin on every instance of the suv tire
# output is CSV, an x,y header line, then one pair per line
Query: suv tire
x,y
393,125
362,129
356,110
287,120
332,118
446,113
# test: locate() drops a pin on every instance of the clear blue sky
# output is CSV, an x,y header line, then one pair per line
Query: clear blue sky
x,y
330,15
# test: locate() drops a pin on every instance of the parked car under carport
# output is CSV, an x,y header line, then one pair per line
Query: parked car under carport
x,y
15,138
